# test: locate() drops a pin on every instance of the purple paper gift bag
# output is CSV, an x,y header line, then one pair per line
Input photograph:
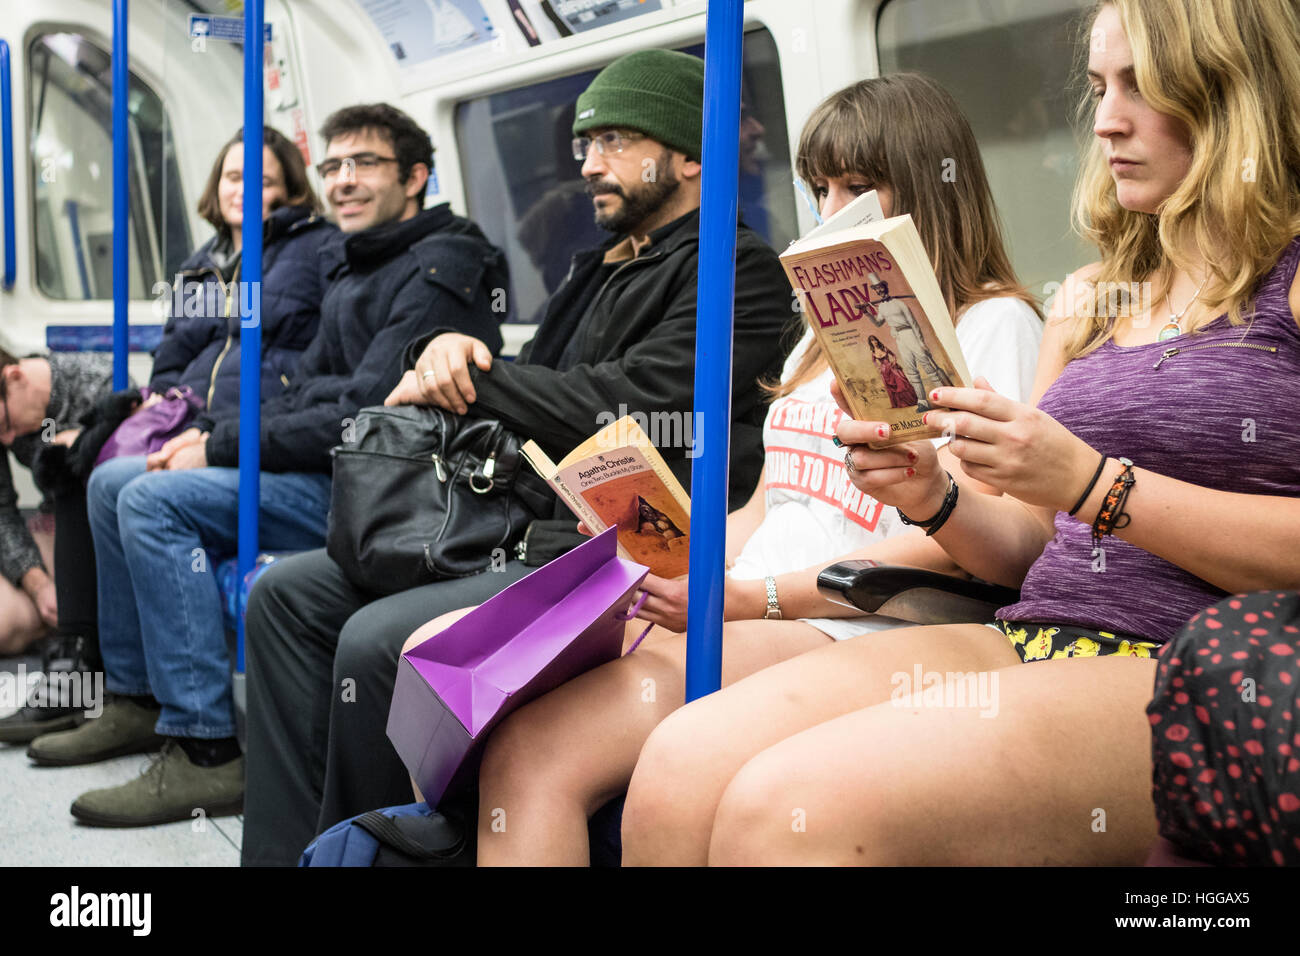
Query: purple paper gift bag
x,y
561,620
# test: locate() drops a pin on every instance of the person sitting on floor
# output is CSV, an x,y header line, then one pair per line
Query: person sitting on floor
x,y
42,398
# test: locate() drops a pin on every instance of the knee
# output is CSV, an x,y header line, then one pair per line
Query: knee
x,y
516,757
367,649
436,626
17,635
106,481
661,783
270,590
770,814
760,819
20,622
139,501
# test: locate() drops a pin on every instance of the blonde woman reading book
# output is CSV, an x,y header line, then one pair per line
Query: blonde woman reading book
x,y
557,760
1130,502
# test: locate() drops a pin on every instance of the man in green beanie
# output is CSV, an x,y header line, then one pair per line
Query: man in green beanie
x,y
616,338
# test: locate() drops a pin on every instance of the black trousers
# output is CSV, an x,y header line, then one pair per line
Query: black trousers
x,y
321,660
74,570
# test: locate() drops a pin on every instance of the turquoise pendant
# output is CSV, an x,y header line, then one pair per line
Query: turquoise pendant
x,y
1170,330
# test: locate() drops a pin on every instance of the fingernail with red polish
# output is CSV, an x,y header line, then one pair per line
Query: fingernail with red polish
x,y
911,473
912,456
934,396
925,419
882,431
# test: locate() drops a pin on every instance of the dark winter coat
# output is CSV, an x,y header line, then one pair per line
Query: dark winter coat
x,y
389,285
622,341
200,345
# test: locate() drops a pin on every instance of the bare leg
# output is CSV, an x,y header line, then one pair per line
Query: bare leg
x,y
692,755
554,762
1062,775
20,622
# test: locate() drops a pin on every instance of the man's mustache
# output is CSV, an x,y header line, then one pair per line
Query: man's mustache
x,y
603,189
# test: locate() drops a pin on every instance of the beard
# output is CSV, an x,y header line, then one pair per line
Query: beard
x,y
639,202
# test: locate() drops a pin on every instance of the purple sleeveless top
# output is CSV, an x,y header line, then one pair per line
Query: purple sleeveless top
x,y
1215,408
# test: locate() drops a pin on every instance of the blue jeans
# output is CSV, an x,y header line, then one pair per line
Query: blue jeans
x,y
157,536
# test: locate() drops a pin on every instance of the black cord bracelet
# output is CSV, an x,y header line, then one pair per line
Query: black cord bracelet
x,y
941,516
1092,484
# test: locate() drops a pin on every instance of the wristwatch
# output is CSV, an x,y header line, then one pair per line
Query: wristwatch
x,y
773,605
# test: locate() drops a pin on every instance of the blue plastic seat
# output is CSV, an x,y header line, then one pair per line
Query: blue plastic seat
x,y
234,597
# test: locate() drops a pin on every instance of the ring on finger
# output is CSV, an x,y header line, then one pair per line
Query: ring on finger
x,y
429,374
848,460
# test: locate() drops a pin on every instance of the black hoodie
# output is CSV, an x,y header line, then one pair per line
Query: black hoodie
x,y
389,284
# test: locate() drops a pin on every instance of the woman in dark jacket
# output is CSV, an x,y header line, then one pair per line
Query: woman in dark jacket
x,y
199,349
200,345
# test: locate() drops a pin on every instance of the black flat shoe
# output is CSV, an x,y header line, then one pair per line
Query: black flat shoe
x,y
64,655
30,722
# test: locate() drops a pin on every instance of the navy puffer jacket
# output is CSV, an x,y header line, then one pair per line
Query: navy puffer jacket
x,y
200,344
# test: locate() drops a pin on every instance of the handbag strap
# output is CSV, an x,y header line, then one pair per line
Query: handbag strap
x,y
390,832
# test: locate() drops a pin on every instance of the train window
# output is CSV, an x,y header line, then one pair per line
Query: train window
x,y
70,111
524,189
1011,67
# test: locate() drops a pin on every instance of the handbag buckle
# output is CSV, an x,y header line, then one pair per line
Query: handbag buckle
x,y
489,469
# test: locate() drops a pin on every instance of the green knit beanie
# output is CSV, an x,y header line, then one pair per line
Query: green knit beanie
x,y
658,92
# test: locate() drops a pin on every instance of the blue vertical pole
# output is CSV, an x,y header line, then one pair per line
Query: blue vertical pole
x,y
7,149
717,279
250,303
121,209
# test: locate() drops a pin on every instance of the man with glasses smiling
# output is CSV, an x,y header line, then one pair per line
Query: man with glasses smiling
x,y
395,272
619,333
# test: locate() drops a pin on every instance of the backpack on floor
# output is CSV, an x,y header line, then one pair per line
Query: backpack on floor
x,y
414,835
410,835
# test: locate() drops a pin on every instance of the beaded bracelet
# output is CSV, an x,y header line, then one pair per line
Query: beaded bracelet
x,y
1112,508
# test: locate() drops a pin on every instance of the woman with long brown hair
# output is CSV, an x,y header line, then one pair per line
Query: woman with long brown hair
x,y
557,760
1136,492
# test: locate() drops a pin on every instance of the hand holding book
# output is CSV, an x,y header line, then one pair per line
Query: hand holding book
x,y
870,296
907,476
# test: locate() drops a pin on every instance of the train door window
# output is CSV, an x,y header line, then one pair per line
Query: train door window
x,y
70,108
1011,66
524,188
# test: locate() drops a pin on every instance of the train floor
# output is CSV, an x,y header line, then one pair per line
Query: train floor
x,y
36,828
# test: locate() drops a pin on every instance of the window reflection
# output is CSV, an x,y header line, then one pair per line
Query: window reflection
x,y
1011,66
70,113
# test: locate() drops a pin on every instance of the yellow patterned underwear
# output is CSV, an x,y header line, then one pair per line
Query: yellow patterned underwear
x,y
1044,642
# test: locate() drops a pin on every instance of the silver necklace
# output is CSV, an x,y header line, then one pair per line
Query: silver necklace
x,y
1174,327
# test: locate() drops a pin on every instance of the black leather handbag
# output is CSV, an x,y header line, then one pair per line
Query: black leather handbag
x,y
421,495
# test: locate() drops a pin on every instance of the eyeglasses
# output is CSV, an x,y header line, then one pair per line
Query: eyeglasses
x,y
610,141
361,162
